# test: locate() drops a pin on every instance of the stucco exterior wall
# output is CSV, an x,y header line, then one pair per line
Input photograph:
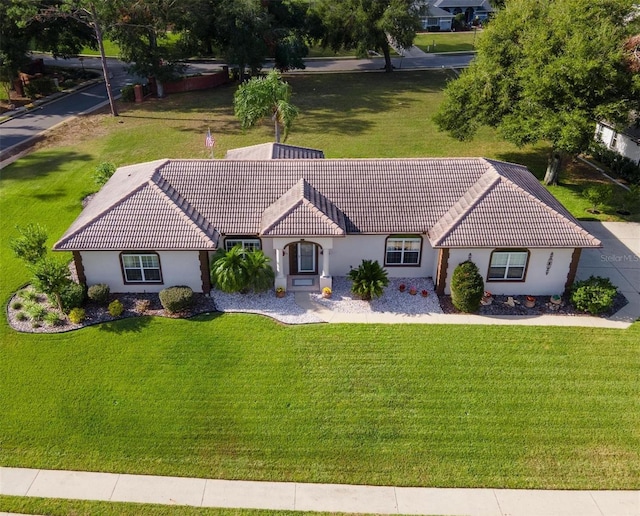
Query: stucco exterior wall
x,y
178,268
538,282
624,145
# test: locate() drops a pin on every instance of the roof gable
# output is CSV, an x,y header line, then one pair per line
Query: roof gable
x,y
273,151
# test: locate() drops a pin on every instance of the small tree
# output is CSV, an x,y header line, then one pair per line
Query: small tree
x,y
258,272
51,277
467,287
228,271
30,246
103,172
369,280
265,96
598,195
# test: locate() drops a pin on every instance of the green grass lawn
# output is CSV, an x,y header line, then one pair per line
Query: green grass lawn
x,y
239,396
447,41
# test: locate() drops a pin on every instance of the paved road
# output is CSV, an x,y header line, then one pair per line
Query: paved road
x,y
20,129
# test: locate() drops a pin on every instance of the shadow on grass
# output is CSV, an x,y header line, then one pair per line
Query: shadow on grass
x,y
128,325
41,164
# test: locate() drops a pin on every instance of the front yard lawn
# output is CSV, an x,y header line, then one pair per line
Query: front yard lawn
x,y
239,396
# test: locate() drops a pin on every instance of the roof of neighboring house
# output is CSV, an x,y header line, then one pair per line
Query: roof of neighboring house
x,y
436,12
463,4
273,151
456,202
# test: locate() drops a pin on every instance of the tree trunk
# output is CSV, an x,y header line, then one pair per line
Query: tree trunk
x,y
553,168
103,59
277,127
388,67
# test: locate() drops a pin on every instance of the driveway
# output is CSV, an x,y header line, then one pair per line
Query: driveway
x,y
618,260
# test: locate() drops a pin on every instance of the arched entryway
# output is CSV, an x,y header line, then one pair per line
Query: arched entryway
x,y
303,258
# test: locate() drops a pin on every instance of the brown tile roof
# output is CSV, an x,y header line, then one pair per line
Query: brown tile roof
x,y
273,151
456,201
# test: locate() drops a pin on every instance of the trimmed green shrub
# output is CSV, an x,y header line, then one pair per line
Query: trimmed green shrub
x,y
176,299
369,280
52,319
21,316
99,293
467,287
77,315
72,296
128,93
594,295
115,308
35,311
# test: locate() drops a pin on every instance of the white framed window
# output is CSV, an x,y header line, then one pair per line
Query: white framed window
x,y
403,250
508,265
614,140
141,268
250,244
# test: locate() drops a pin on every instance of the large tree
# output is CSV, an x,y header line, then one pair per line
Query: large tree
x,y
367,25
265,96
546,70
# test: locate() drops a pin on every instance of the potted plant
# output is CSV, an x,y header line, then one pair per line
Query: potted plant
x,y
402,287
280,292
555,299
326,292
530,301
487,298
413,290
424,293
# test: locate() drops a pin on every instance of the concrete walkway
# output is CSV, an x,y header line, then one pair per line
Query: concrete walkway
x,y
200,492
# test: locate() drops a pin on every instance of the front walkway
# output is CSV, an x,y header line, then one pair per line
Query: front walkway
x,y
293,496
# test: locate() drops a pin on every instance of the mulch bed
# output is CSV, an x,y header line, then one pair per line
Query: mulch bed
x,y
542,307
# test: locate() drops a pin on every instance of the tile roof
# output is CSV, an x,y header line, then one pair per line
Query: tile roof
x,y
466,202
273,151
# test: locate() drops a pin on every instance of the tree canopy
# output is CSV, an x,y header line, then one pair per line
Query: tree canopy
x,y
367,25
546,70
265,96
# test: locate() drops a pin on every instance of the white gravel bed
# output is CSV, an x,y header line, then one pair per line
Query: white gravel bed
x,y
282,309
392,300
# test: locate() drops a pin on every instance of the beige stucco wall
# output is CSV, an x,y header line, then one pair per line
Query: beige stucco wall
x,y
178,268
537,283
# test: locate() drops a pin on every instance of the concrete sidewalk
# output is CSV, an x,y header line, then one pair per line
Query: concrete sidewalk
x,y
200,492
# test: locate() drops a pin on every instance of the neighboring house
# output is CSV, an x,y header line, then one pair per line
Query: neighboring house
x,y
472,9
625,142
436,19
158,224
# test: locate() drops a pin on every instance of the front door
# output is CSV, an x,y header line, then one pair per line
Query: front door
x,y
303,258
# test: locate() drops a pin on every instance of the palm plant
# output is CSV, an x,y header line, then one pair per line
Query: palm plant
x,y
369,280
228,271
259,273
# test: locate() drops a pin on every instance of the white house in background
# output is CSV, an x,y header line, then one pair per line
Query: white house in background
x,y
626,143
158,224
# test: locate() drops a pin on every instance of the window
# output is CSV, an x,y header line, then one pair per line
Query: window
x,y
403,251
614,140
141,268
508,265
250,244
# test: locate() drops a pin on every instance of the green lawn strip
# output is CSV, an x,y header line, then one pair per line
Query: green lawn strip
x,y
446,41
62,507
242,397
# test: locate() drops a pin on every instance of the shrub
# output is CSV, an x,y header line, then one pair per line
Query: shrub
x,y
30,246
16,305
21,316
72,296
467,287
369,280
176,299
128,93
594,295
28,295
142,305
598,195
259,274
103,172
228,271
115,308
42,87
51,277
99,293
35,311
52,319
77,315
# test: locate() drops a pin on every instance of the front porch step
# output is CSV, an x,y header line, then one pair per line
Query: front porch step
x,y
300,283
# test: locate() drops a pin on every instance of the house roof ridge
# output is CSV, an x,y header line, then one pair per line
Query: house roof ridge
x,y
465,204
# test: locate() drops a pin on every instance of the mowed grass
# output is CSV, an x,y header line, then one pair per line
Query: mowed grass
x,y
239,396
447,41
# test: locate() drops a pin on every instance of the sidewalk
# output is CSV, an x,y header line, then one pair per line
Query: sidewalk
x,y
200,492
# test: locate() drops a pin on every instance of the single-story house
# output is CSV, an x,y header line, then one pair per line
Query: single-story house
x,y
626,142
158,224
436,19
472,9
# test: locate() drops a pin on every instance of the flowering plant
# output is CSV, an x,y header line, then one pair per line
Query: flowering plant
x,y
280,290
326,291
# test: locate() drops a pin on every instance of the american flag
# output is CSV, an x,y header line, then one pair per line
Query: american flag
x,y
209,141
